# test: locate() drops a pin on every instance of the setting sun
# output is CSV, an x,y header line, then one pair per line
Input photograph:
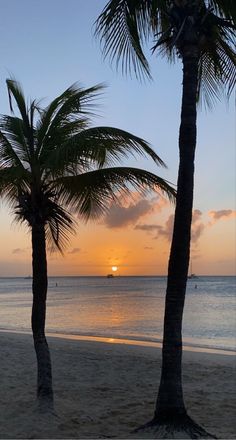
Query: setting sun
x,y
114,268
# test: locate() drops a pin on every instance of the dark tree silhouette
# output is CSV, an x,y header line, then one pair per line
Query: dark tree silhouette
x,y
53,163
201,33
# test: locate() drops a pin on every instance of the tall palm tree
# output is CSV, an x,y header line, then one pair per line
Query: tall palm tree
x,y
53,163
201,33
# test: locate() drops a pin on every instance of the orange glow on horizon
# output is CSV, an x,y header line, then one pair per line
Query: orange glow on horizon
x,y
124,251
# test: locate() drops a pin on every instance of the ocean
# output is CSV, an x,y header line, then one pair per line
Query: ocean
x,y
125,307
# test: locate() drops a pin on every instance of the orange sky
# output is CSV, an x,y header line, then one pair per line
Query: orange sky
x,y
134,236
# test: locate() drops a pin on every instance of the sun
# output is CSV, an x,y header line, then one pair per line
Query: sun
x,y
114,268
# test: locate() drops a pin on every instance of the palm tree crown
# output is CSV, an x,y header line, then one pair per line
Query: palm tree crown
x,y
53,163
124,26
56,163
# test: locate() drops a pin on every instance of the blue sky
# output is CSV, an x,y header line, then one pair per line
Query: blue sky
x,y
48,45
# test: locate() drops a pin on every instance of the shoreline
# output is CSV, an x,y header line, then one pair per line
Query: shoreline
x,y
125,341
105,390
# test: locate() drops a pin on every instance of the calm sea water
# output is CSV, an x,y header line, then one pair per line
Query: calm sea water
x,y
125,307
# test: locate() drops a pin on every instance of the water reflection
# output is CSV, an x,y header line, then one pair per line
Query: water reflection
x,y
124,307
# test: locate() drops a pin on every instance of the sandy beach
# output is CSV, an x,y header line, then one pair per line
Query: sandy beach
x,y
105,390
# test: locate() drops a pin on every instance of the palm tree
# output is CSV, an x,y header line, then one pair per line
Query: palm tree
x,y
201,33
53,163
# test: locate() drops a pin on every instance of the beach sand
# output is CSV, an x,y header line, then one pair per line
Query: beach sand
x,y
105,390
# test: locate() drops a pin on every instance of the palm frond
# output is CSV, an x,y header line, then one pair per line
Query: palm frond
x,y
99,146
9,156
75,105
224,8
15,175
9,196
58,142
217,66
90,193
12,180
34,107
15,91
122,26
60,225
228,61
13,131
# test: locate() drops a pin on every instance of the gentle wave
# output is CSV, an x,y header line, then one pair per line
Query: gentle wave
x,y
125,341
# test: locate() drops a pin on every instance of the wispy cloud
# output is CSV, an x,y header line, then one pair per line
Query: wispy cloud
x,y
18,251
222,213
147,227
197,226
74,251
166,230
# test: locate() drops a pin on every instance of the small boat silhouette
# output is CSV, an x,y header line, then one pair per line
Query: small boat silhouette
x,y
110,275
192,275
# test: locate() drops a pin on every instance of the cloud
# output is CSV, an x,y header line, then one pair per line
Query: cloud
x,y
163,231
197,214
74,251
166,230
148,247
123,213
147,227
119,216
217,215
197,226
18,251
195,253
196,231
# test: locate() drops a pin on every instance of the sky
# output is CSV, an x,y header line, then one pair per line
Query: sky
x,y
47,46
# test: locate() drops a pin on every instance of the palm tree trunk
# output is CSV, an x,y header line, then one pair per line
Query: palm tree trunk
x,y
44,385
170,402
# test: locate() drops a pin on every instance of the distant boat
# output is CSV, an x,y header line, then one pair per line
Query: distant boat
x,y
110,275
192,275
29,277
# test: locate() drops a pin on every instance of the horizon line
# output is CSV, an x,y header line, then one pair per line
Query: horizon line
x,y
115,276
